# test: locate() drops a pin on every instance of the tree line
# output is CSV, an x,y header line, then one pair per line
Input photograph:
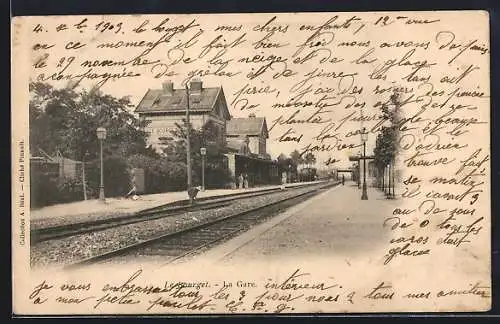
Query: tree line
x,y
386,147
294,161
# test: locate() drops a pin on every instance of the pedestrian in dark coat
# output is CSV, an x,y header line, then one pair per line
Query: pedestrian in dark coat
x,y
245,181
240,181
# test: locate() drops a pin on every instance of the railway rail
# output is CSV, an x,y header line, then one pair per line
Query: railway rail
x,y
62,231
175,246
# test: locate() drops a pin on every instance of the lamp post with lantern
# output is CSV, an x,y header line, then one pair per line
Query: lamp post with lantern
x,y
203,152
101,135
364,138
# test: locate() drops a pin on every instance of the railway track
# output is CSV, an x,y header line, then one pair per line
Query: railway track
x,y
62,231
173,247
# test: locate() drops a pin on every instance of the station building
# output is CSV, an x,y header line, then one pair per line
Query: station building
x,y
244,139
165,107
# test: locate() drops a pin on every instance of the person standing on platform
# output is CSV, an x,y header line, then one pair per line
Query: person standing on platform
x,y
245,181
240,181
343,179
133,191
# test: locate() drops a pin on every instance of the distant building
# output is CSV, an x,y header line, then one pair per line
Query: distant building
x,y
165,107
244,138
247,146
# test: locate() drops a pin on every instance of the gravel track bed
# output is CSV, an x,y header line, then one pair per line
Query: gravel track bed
x,y
82,246
159,259
129,208
38,223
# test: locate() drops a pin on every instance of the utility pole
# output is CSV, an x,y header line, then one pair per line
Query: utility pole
x,y
364,194
188,145
359,173
84,181
203,152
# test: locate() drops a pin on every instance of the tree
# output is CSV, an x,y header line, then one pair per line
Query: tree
x,y
386,143
282,157
309,159
51,116
65,121
210,137
297,158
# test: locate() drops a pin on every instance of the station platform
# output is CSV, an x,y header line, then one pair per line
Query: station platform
x,y
334,225
94,209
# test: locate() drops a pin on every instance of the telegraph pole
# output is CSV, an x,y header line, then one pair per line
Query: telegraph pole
x,y
188,144
188,141
364,136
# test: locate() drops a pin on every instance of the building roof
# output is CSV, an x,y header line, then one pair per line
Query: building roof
x,y
251,126
156,100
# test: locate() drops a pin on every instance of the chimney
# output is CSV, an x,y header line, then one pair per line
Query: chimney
x,y
195,86
168,88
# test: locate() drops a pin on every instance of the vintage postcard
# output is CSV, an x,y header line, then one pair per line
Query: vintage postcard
x,y
259,163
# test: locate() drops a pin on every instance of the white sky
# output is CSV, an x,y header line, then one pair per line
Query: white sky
x,y
137,87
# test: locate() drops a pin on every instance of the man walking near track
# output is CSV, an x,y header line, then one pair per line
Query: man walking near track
x,y
193,192
132,191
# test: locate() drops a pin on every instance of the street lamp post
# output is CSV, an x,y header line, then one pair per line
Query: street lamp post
x,y
390,188
359,172
203,152
101,135
364,138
